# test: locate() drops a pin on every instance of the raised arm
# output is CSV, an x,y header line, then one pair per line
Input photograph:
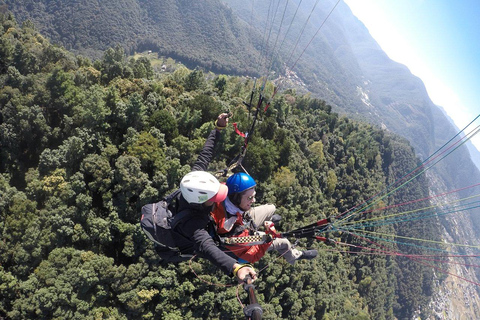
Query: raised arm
x,y
206,155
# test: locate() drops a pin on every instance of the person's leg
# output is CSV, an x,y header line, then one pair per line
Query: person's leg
x,y
262,213
284,247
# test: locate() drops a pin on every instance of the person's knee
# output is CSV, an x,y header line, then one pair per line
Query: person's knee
x,y
262,213
281,244
269,209
266,207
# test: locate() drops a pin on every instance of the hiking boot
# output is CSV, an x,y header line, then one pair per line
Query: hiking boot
x,y
276,218
308,255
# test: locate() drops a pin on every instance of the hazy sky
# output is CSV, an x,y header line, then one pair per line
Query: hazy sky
x,y
439,41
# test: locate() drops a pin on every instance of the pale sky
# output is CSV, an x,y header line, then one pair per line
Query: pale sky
x,y
439,41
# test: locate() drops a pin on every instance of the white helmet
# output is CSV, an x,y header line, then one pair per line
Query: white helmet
x,y
201,186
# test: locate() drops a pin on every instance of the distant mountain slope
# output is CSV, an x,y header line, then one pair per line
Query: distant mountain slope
x,y
315,57
399,98
341,64
474,152
399,101
202,33
344,65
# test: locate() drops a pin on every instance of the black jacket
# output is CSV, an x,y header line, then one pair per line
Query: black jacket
x,y
195,224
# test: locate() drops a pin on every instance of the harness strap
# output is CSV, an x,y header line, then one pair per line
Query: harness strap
x,y
237,131
248,240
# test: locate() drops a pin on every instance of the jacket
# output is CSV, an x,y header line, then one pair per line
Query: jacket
x,y
251,253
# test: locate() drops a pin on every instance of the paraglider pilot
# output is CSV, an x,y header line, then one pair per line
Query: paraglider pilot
x,y
200,190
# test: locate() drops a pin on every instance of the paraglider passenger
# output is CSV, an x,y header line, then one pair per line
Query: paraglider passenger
x,y
235,217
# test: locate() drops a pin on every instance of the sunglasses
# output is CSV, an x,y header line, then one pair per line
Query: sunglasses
x,y
250,198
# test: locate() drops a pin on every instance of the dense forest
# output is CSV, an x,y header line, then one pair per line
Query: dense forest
x,y
84,144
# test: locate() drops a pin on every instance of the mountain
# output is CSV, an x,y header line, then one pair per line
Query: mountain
x,y
345,66
342,64
474,153
197,33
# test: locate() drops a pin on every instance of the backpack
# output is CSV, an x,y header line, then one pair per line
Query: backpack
x,y
156,223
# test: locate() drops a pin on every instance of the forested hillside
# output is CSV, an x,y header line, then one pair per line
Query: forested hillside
x,y
85,144
202,33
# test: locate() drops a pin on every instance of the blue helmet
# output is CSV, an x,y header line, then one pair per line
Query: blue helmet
x,y
240,182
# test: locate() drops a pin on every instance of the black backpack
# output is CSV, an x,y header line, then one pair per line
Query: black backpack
x,y
156,223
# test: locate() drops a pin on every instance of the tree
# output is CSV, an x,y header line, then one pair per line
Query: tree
x,y
317,151
147,148
195,80
221,84
142,68
263,157
283,180
129,183
92,113
64,95
135,112
209,108
98,176
166,123
6,52
331,181
112,65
